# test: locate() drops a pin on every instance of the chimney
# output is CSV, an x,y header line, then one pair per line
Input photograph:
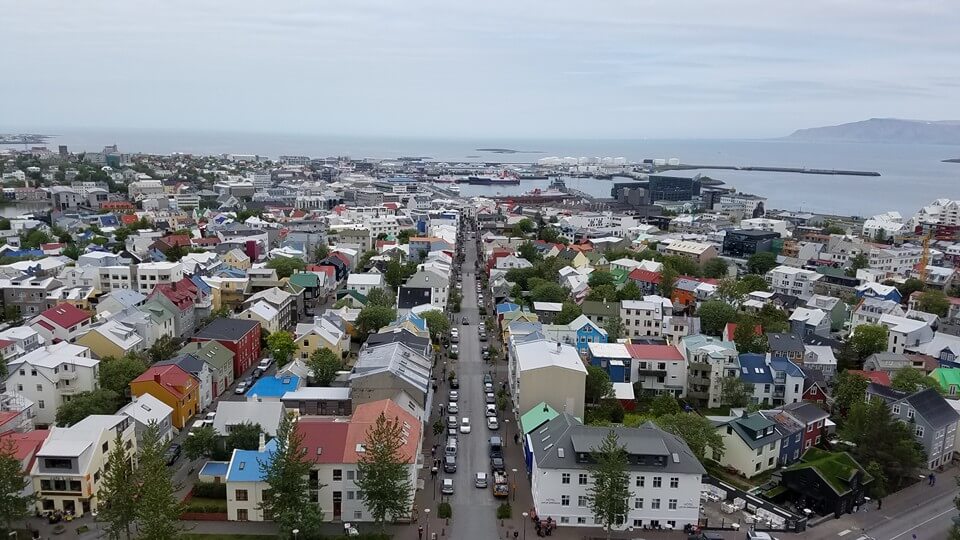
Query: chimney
x,y
559,347
156,378
262,443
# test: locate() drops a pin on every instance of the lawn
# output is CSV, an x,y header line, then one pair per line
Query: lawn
x,y
717,471
202,504
716,411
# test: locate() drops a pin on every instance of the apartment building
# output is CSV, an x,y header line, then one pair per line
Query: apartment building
x,y
149,275
708,360
52,375
641,318
793,281
27,295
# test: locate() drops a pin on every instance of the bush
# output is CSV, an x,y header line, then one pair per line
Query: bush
x,y
210,491
504,511
59,528
444,510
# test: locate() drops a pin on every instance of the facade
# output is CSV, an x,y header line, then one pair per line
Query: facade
x,y
220,360
709,361
932,420
547,371
241,337
793,281
64,322
641,318
173,386
746,242
52,375
112,338
751,443
146,409
149,275
659,369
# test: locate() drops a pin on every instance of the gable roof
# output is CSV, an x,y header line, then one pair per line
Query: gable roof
x,y
227,329
171,378
785,342
654,352
65,315
754,369
933,407
837,469
211,352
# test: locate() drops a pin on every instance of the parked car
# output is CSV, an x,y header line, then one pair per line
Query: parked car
x,y
464,425
483,336
449,464
454,350
480,480
265,363
487,378
257,373
488,387
447,488
455,383
453,408
493,423
491,410
490,397
454,395
241,388
497,465
172,453
705,535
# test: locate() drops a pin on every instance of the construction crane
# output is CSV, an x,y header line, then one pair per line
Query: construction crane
x,y
924,258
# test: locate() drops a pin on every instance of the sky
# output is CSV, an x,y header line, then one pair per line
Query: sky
x,y
519,68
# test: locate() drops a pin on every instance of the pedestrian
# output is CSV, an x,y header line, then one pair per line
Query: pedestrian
x,y
516,438
930,479
420,532
879,504
433,451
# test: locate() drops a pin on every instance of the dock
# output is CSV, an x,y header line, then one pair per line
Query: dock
x,y
797,170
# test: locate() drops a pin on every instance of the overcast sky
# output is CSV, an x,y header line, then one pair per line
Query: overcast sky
x,y
521,68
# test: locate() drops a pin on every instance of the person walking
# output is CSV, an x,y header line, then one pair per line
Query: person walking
x,y
879,504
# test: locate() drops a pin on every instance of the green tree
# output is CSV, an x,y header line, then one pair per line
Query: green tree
x,y
878,488
685,266
287,473
878,436
286,266
568,312
848,390
734,392
600,277
630,291
546,291
118,495
34,238
364,261
14,505
908,287
762,262
526,225
934,301
383,477
244,436
437,323
614,328
528,251
714,316
869,339
663,405
203,442
84,404
4,224
373,318
715,268
381,297
833,228
668,277
696,431
752,282
164,348
282,346
910,379
116,373
158,509
404,236
72,251
773,319
858,262
172,254
746,337
597,385
549,234
609,493
324,364
603,293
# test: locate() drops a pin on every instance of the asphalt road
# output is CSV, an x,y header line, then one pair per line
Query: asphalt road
x,y
474,509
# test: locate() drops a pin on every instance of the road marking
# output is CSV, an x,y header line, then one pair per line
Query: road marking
x,y
844,532
945,512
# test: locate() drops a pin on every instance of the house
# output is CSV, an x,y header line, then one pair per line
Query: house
x,y
324,332
230,414
811,418
820,358
542,370
201,371
665,476
236,258
63,322
746,242
285,303
436,283
614,358
827,482
319,401
119,300
869,311
547,311
24,446
265,314
68,469
872,289
112,338
788,380
793,281
173,386
949,380
932,420
220,360
805,321
903,332
27,295
272,388
890,363
660,369
816,391
364,283
641,318
419,343
246,481
646,280
835,307
709,360
52,375
574,258
389,370
146,409
751,443
787,346
600,312
757,375
181,298
698,251
241,337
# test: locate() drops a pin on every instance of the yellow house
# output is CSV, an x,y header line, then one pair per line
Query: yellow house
x,y
173,386
112,338
237,259
515,316
322,334
226,292
574,258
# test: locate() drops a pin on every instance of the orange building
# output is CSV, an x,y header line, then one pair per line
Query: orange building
x,y
173,386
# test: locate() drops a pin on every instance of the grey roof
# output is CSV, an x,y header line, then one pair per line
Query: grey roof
x,y
400,335
426,278
226,329
402,361
889,360
788,367
785,342
187,362
932,407
603,309
127,297
805,412
744,427
556,443
888,394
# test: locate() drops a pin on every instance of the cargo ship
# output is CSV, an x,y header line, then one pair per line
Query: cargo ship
x,y
501,179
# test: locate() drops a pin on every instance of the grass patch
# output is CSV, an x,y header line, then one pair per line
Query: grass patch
x,y
720,473
716,411
82,529
205,505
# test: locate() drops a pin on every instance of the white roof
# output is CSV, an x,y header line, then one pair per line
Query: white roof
x,y
823,353
686,246
364,279
640,304
545,354
877,288
158,265
623,390
901,324
625,262
609,350
146,408
264,310
547,306
265,413
123,336
317,392
54,355
808,316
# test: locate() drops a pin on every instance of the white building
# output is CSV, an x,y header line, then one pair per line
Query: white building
x,y
778,226
51,375
114,278
641,318
664,475
896,261
364,283
149,275
792,281
146,409
903,333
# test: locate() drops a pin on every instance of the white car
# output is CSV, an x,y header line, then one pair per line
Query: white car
x,y
464,425
452,407
454,349
241,388
447,488
454,395
491,410
493,423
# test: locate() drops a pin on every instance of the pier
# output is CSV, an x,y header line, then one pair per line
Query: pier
x,y
798,170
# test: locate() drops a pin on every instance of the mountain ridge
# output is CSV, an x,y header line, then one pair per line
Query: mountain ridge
x,y
885,130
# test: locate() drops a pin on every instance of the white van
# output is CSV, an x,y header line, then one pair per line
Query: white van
x,y
451,447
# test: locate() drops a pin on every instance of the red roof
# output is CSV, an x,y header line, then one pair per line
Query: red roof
x,y
391,205
171,377
879,377
298,213
654,352
64,315
206,241
50,246
25,445
383,243
4,343
182,293
174,240
646,276
731,328
129,219
342,257
364,418
323,438
329,271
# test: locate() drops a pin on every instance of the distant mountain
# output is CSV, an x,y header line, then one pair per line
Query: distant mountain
x,y
885,130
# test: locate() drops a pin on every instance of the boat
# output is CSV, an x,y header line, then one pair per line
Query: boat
x,y
504,178
453,187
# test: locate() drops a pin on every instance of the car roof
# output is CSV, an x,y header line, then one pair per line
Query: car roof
x,y
481,475
448,481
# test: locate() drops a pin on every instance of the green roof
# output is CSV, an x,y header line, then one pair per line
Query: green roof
x,y
831,271
539,415
305,279
755,422
836,468
619,276
947,377
210,352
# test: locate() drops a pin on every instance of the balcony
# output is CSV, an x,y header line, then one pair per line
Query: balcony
x,y
68,390
781,378
778,393
68,375
699,381
651,373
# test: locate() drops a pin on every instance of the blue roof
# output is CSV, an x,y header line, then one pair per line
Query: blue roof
x,y
782,364
415,319
245,464
201,284
274,386
109,220
24,253
230,272
506,307
215,468
753,369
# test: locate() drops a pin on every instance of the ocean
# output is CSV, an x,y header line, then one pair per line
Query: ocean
x,y
911,175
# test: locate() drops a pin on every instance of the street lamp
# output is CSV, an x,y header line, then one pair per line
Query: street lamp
x,y
427,512
295,533
525,516
514,484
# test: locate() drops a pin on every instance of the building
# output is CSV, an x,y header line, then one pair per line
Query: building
x,y
52,375
241,337
751,443
112,338
932,420
319,401
391,370
665,476
709,360
149,275
641,318
542,370
903,333
220,360
805,321
698,251
201,371
69,466
659,369
171,385
27,295
63,322
829,482
364,283
743,243
146,409
793,281
811,418
231,414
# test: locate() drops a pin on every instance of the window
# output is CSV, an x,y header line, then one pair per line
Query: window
x,y
39,388
638,503
337,475
896,409
759,450
357,514
640,481
674,482
242,514
638,523
240,495
349,495
40,403
349,475
33,372
564,519
582,479
581,521
564,500
655,504
672,504
565,478
657,481
909,413
583,501
919,431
